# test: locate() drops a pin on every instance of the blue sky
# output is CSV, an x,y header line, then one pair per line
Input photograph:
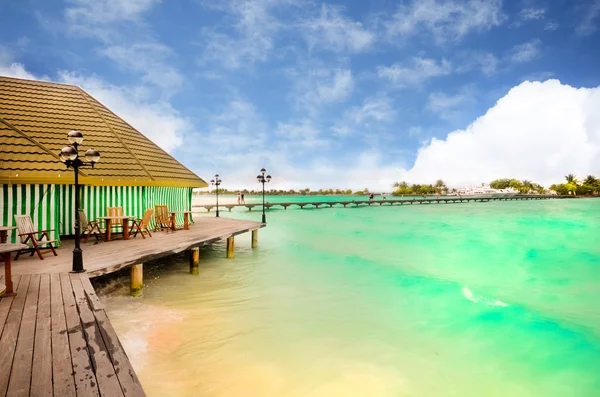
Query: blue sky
x,y
336,93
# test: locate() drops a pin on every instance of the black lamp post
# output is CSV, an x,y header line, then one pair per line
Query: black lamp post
x,y
216,182
70,156
261,178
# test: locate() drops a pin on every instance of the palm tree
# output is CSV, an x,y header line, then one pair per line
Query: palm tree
x,y
590,180
571,179
396,185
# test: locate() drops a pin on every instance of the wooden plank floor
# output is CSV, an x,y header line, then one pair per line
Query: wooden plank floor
x,y
110,256
56,340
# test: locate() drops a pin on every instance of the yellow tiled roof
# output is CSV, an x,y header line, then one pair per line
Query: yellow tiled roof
x,y
35,117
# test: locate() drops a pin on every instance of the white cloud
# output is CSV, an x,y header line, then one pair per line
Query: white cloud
x,y
255,29
588,23
416,72
149,59
538,131
335,87
365,170
446,20
15,70
125,38
526,52
157,120
331,30
299,135
528,14
448,106
97,18
373,113
9,68
322,86
551,25
486,62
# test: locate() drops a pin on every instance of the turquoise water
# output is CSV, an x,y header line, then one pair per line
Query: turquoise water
x,y
479,299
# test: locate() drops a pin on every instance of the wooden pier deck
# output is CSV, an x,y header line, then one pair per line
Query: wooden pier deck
x,y
110,256
391,202
56,340
55,336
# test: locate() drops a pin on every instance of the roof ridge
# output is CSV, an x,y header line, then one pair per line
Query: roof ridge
x,y
44,148
37,81
139,132
87,97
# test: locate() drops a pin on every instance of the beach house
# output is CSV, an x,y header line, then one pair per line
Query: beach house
x,y
134,173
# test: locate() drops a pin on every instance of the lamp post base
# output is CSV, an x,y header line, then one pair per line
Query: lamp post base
x,y
217,213
77,261
264,218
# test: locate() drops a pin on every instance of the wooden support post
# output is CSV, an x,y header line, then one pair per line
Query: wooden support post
x,y
230,247
137,279
195,261
255,238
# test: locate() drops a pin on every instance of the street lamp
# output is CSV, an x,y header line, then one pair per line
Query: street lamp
x,y
261,178
70,156
216,182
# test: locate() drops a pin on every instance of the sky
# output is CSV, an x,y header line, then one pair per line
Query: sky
x,y
333,94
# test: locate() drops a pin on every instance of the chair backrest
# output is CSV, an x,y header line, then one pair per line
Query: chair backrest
x,y
162,213
24,225
114,211
147,217
83,221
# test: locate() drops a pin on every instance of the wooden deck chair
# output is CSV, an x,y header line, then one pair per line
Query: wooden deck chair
x,y
35,239
89,227
141,225
163,220
116,224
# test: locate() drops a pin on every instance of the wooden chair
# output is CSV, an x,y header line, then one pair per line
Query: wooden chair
x,y
163,220
89,227
29,236
141,225
116,224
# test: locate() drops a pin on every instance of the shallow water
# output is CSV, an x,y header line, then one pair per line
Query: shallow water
x,y
478,299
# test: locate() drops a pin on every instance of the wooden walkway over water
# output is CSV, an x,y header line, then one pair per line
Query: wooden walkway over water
x,y
391,202
55,336
111,256
56,340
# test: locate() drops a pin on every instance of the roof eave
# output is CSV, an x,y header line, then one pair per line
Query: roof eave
x,y
90,181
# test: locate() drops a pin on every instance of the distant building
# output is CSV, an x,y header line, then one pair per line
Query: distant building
x,y
133,172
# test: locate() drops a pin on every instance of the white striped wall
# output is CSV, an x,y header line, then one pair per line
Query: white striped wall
x,y
95,200
38,201
176,198
52,206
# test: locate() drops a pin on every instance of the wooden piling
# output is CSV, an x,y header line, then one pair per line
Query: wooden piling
x,y
230,247
137,279
255,238
195,261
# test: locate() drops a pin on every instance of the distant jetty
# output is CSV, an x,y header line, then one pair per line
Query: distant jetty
x,y
407,201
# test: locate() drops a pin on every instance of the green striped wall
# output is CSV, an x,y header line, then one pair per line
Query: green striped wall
x,y
52,206
95,199
38,201
177,198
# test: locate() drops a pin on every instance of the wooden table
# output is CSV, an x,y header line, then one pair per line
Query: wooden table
x,y
186,219
109,221
4,235
5,250
4,232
